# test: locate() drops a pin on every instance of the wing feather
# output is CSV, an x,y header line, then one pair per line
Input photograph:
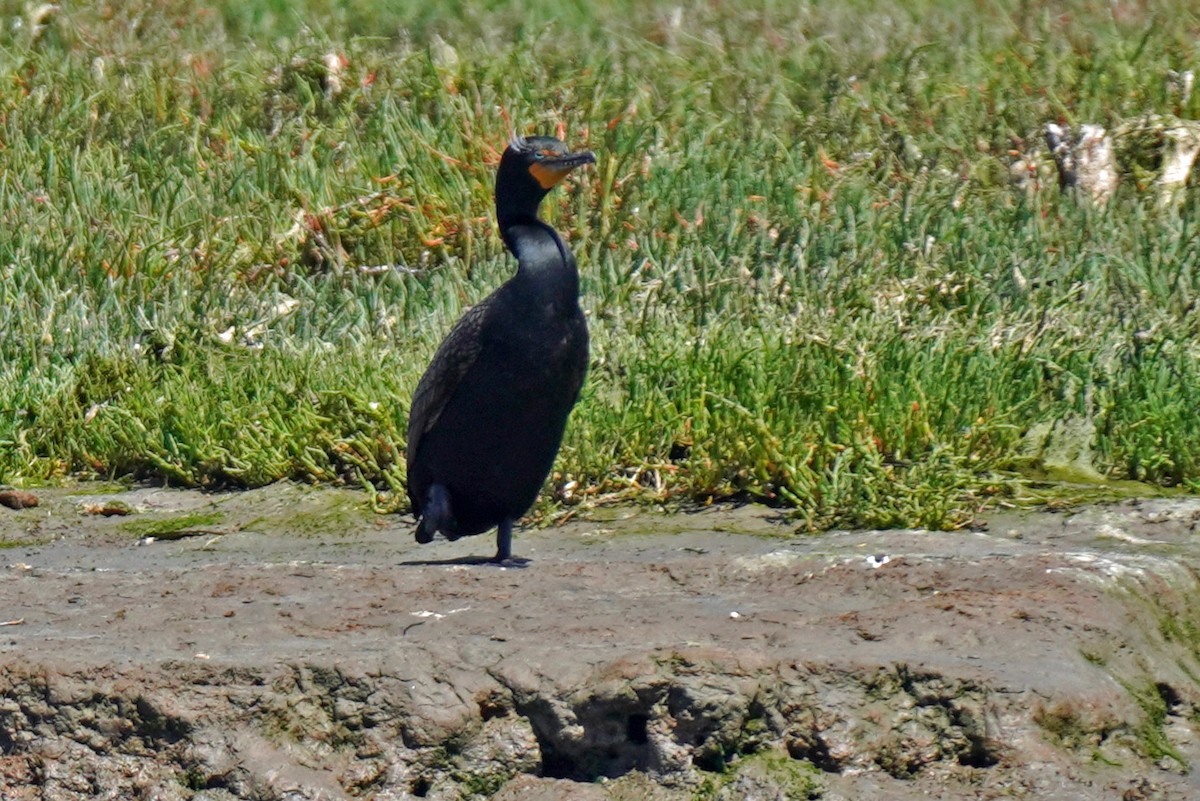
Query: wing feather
x,y
454,357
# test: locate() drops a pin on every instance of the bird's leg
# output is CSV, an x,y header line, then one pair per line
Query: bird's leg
x,y
504,540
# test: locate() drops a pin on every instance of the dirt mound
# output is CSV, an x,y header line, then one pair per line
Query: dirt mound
x,y
287,644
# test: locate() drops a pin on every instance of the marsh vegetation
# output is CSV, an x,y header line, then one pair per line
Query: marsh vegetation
x,y
233,234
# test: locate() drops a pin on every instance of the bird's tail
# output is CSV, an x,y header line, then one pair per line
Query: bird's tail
x,y
436,515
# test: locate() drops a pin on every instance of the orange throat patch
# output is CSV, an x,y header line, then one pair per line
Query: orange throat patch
x,y
547,176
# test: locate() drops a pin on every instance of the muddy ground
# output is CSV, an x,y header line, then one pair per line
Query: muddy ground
x,y
288,643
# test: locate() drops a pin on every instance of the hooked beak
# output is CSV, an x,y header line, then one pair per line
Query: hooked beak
x,y
550,172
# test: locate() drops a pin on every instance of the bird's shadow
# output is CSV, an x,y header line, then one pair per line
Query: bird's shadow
x,y
480,561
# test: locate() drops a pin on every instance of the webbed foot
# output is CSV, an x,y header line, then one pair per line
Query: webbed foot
x,y
504,543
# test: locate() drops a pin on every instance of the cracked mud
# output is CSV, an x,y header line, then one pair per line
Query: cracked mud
x,y
286,643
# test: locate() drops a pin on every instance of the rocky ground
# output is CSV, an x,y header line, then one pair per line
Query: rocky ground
x,y
287,643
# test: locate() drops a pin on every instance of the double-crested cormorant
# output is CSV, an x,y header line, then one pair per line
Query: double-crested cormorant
x,y
487,418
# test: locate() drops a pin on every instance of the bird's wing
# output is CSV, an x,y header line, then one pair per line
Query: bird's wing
x,y
450,363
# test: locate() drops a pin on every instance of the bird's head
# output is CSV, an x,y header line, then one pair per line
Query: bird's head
x,y
530,167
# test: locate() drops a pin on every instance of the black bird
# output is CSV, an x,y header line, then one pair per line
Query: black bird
x,y
487,418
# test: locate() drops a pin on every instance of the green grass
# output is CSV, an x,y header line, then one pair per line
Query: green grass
x,y
807,277
169,527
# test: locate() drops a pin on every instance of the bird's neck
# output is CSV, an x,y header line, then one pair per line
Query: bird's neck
x,y
517,225
545,265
